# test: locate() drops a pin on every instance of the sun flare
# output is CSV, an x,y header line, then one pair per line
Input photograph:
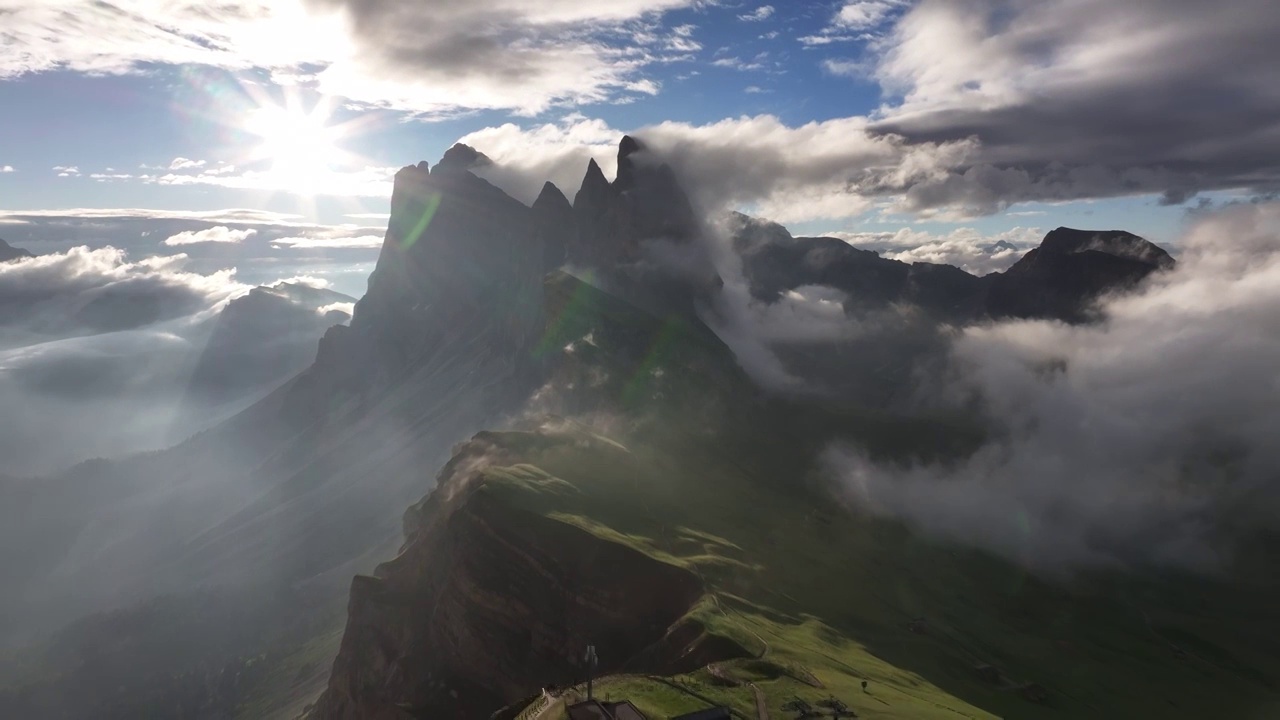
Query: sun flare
x,y
300,146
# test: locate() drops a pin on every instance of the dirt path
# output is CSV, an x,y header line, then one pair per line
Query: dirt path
x,y
762,710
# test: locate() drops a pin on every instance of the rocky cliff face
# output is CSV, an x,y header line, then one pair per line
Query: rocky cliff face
x,y
458,252
487,603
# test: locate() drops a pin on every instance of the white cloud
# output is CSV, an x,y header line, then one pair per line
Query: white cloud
x,y
57,289
737,63
525,158
366,181
846,68
865,14
7,169
67,170
855,21
230,215
819,170
1133,440
764,12
181,163
964,248
421,57
347,307
217,234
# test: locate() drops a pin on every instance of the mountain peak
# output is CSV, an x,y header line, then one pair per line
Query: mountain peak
x,y
462,157
628,145
1118,243
592,197
551,196
626,165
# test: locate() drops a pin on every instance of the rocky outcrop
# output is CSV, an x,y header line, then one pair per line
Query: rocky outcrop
x,y
487,603
9,252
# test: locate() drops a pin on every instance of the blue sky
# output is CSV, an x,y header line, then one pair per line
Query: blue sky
x,y
890,121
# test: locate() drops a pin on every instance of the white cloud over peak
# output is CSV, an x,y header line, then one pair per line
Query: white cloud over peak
x,y
819,170
217,234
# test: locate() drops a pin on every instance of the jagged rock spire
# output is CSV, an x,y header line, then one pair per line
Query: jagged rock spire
x,y
553,225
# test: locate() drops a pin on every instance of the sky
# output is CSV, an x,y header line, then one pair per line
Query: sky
x,y
927,129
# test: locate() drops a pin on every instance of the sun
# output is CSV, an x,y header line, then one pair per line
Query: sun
x,y
301,146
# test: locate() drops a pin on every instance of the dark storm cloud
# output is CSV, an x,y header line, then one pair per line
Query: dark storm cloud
x,y
1087,98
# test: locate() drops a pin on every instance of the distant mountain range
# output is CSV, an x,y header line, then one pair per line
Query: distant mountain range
x,y
1058,280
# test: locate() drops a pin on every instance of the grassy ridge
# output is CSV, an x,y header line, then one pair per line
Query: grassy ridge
x,y
830,598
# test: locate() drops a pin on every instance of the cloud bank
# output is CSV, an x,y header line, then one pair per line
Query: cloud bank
x,y
1073,99
87,290
1129,442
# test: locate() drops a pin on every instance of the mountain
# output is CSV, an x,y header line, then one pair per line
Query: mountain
x,y
8,252
1071,268
611,477
259,340
1061,279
